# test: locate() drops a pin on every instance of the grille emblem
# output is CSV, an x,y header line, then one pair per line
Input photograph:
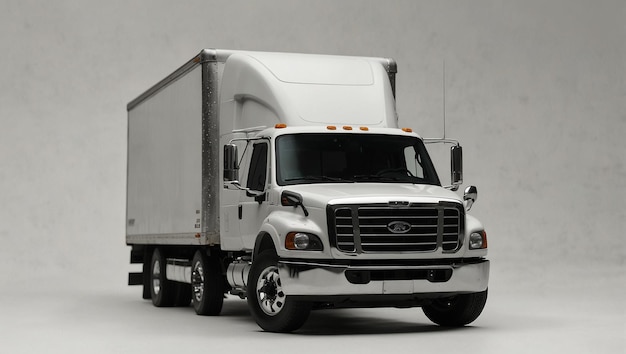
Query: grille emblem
x,y
399,227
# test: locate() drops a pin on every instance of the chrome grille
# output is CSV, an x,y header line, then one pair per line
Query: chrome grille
x,y
420,227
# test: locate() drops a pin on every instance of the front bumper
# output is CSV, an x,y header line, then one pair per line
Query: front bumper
x,y
307,278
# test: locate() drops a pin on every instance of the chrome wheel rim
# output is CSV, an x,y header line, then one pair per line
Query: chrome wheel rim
x,y
270,295
156,277
197,281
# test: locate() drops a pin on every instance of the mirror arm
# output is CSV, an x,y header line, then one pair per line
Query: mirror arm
x,y
289,198
306,212
469,197
234,185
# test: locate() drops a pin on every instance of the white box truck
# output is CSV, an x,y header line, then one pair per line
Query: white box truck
x,y
284,179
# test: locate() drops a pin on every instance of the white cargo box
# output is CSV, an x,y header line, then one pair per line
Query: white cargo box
x,y
174,183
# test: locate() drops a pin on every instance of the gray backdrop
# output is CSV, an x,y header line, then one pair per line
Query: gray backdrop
x,y
535,92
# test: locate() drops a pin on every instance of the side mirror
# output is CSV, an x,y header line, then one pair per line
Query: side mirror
x,y
456,166
231,168
288,198
469,197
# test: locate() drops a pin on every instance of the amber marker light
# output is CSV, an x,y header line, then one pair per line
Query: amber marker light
x,y
407,130
280,126
347,127
331,127
365,129
290,241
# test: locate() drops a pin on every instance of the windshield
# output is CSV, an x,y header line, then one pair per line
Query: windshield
x,y
349,158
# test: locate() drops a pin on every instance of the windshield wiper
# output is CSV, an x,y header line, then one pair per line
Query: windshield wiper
x,y
317,178
380,178
376,178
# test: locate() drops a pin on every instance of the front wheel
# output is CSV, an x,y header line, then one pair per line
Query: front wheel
x,y
271,308
456,311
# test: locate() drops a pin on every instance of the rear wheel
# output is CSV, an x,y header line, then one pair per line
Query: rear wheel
x,y
162,291
271,308
207,285
456,311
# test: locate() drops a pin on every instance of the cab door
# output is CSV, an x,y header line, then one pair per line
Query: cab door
x,y
253,207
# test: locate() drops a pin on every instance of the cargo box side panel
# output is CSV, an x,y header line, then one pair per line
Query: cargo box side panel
x,y
164,196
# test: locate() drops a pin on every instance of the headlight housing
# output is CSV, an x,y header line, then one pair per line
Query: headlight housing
x,y
478,240
302,241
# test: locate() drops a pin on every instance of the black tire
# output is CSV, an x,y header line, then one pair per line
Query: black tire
x,y
271,308
162,291
456,311
207,285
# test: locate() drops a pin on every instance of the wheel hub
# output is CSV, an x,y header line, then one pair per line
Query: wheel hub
x,y
197,282
270,294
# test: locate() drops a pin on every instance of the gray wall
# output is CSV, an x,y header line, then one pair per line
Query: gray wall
x,y
535,91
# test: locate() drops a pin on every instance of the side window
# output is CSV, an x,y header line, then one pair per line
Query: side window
x,y
258,168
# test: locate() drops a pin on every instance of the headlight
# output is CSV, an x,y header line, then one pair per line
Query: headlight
x,y
300,241
478,240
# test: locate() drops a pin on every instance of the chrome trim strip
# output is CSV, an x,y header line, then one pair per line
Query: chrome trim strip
x,y
185,68
312,279
210,150
349,267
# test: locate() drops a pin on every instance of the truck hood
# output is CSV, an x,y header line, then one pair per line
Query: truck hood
x,y
320,195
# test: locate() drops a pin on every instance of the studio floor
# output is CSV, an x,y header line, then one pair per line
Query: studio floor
x,y
562,311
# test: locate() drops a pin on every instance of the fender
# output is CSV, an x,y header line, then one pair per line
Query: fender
x,y
280,222
472,225
265,240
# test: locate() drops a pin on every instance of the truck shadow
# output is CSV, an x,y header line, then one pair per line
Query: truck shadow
x,y
349,322
343,321
234,307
